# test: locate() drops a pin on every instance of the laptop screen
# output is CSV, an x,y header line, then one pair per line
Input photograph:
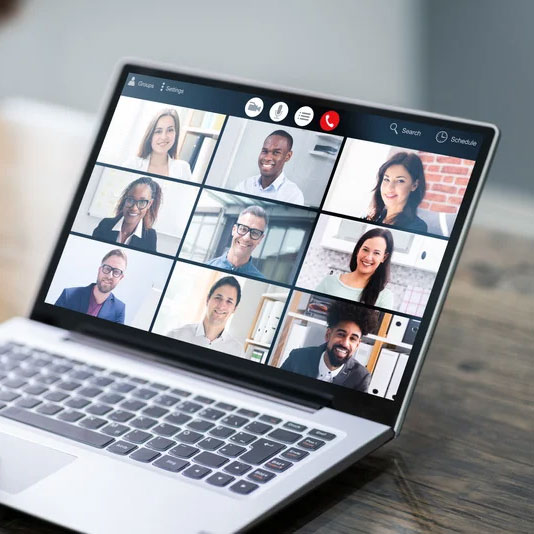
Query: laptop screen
x,y
297,233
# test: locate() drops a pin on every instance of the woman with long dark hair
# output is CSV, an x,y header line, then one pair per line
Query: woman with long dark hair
x,y
369,271
135,214
400,188
158,151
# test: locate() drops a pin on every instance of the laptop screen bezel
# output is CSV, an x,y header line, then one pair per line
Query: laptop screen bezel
x,y
244,372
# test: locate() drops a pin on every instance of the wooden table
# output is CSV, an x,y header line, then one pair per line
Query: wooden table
x,y
464,460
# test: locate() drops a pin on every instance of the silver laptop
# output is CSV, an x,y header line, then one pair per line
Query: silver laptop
x,y
238,306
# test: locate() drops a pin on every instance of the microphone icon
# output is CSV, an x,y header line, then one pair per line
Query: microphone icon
x,y
278,111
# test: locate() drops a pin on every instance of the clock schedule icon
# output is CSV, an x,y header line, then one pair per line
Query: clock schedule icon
x,y
442,136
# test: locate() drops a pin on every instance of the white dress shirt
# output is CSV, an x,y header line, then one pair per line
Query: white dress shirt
x,y
324,373
178,168
138,231
281,189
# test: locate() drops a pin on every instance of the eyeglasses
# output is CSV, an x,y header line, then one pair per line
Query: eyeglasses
x,y
106,269
141,204
243,229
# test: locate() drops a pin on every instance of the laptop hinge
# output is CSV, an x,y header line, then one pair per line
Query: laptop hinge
x,y
292,394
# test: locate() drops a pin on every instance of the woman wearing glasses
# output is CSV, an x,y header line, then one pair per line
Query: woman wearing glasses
x,y
136,213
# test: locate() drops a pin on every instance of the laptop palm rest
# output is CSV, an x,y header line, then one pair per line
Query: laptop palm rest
x,y
23,463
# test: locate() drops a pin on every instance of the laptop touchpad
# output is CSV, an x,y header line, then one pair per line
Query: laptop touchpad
x,y
23,463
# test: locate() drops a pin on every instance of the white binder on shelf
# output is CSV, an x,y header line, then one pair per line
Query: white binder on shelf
x,y
397,376
383,372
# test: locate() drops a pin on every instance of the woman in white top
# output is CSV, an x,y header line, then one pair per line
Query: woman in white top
x,y
369,272
159,147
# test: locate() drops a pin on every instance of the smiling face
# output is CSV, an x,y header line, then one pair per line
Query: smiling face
x,y
244,245
396,187
273,156
130,210
221,305
108,282
164,135
371,254
342,340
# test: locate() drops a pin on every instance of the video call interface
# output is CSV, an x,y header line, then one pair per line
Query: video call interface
x,y
262,235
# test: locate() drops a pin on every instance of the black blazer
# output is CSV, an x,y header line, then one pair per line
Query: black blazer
x,y
306,362
146,242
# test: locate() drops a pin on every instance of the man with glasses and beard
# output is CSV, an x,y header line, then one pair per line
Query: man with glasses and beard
x,y
247,233
97,299
333,361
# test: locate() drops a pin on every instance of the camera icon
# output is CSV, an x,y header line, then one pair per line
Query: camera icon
x,y
254,107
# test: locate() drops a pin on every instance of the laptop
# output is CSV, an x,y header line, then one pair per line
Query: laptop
x,y
238,305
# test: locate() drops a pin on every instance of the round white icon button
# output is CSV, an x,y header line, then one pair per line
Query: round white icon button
x,y
442,136
279,111
254,107
304,116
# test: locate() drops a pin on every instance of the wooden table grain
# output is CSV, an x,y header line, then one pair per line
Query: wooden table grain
x,y
464,461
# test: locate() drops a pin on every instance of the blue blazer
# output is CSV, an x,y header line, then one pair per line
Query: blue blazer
x,y
77,299
306,362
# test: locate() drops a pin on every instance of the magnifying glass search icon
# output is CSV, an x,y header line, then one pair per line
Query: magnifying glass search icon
x,y
393,127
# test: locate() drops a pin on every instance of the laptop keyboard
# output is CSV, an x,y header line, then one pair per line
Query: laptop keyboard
x,y
170,428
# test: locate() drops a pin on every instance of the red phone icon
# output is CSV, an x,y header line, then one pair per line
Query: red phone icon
x,y
329,121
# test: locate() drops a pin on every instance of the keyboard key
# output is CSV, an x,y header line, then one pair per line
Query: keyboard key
x,y
138,380
196,472
211,414
121,448
166,400
247,413
232,450
55,396
189,407
143,422
155,411
132,405
99,409
165,429
284,435
261,450
234,421
26,373
8,396
115,429
183,451
188,436
220,479
90,392
14,383
81,375
60,368
311,444
158,386
225,406
137,436
210,460
221,431
49,409
96,368
144,455
258,428
111,398
242,438
122,387
47,379
261,476
92,422
295,426
161,444
243,487
101,381
237,468
28,402
77,403
210,444
203,400
277,464
180,392
177,418
68,385
118,374
34,389
55,426
295,455
316,433
70,416
168,463
144,394
200,425
120,416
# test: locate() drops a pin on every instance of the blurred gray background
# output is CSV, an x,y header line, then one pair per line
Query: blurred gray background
x,y
466,58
